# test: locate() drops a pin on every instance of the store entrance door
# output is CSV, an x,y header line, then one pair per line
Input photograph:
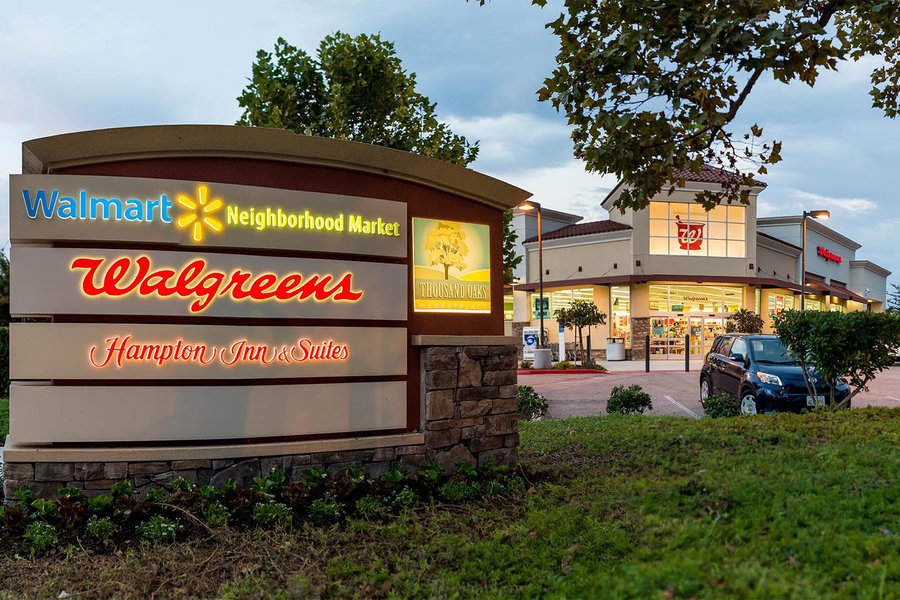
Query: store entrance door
x,y
668,332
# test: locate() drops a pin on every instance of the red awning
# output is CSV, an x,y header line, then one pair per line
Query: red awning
x,y
619,279
838,292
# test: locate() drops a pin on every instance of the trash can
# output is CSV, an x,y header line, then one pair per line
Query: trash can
x,y
542,358
615,348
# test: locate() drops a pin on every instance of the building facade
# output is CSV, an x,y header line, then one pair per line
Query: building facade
x,y
676,272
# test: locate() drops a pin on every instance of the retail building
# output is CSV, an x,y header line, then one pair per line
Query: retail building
x,y
674,270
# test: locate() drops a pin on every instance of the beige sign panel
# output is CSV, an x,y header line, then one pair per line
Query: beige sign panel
x,y
42,414
44,208
47,281
47,351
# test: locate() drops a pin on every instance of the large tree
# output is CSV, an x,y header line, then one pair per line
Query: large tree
x,y
652,87
354,89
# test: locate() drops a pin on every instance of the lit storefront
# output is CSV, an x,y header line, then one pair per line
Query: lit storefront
x,y
675,272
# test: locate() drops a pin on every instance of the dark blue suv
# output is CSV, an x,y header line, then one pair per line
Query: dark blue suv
x,y
761,375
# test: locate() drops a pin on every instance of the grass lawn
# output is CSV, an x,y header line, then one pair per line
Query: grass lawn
x,y
786,506
4,419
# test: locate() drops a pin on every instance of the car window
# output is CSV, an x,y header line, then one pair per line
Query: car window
x,y
771,351
739,347
724,344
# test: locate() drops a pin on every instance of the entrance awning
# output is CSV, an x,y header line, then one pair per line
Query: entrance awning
x,y
618,279
833,290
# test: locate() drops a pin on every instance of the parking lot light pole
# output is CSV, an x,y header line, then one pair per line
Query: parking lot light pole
x,y
529,205
815,214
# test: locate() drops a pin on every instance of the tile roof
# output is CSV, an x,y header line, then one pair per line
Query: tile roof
x,y
711,174
582,229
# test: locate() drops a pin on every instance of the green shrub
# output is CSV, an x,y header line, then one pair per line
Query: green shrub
x,y
100,504
41,534
526,364
369,507
628,400
216,515
101,528
273,514
530,404
324,511
405,498
721,404
159,530
564,365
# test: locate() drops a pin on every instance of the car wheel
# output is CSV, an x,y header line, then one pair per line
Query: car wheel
x,y
748,403
704,390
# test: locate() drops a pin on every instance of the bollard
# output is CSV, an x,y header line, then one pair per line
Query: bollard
x,y
687,354
589,359
647,353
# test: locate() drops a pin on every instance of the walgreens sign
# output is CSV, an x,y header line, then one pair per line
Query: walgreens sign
x,y
828,255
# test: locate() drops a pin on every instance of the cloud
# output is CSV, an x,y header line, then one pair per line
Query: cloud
x,y
853,205
511,140
566,187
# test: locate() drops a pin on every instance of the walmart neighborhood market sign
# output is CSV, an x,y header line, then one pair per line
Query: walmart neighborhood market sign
x,y
54,207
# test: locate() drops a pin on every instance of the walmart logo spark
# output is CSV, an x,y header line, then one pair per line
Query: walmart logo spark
x,y
199,212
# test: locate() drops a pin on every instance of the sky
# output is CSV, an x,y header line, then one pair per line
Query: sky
x,y
72,66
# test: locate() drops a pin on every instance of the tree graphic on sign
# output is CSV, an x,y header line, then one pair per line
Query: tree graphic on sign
x,y
446,245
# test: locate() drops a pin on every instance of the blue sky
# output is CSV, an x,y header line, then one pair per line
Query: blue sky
x,y
73,66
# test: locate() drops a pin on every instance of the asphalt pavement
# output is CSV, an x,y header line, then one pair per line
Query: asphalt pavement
x,y
672,392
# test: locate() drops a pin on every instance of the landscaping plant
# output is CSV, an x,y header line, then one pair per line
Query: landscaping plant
x,y
579,315
721,405
852,347
531,405
628,400
744,321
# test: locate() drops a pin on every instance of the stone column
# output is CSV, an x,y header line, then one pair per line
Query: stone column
x,y
471,413
640,327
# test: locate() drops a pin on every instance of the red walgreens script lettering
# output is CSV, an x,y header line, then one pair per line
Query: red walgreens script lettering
x,y
125,276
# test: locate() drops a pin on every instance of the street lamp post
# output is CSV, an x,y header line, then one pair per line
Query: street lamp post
x,y
529,205
815,214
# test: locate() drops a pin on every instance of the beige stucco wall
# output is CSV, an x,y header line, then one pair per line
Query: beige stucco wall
x,y
595,257
777,264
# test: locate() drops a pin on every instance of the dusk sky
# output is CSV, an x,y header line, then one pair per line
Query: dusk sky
x,y
75,66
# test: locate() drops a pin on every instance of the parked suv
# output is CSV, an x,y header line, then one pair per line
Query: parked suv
x,y
758,371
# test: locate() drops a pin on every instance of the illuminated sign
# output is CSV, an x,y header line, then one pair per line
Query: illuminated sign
x,y
690,235
194,280
188,213
452,266
164,351
828,255
48,281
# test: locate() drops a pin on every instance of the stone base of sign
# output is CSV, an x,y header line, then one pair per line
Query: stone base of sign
x,y
469,414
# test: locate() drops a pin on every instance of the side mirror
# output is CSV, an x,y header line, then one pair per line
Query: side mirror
x,y
737,357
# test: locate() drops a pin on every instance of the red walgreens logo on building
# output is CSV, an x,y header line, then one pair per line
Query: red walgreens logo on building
x,y
829,255
690,235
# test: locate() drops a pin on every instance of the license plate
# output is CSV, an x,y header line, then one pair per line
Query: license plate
x,y
818,400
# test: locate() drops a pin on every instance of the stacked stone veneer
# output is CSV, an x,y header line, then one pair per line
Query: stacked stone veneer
x,y
471,412
470,415
640,327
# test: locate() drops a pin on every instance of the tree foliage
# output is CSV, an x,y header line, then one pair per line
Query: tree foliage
x,y
4,289
852,346
744,321
446,246
652,88
511,259
579,315
893,299
355,89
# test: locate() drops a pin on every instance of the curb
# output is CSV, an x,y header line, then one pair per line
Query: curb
x,y
560,371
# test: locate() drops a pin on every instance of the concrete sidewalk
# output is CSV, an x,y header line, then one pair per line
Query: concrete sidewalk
x,y
630,366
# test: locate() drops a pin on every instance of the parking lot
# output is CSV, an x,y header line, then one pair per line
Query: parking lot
x,y
673,392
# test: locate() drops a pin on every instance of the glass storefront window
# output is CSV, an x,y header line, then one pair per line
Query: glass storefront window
x,y
686,229
620,313
695,298
778,303
564,298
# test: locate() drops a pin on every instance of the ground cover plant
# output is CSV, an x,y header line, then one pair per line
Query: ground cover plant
x,y
799,506
4,419
531,404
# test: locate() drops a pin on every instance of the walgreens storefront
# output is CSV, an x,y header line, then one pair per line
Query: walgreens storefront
x,y
676,272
